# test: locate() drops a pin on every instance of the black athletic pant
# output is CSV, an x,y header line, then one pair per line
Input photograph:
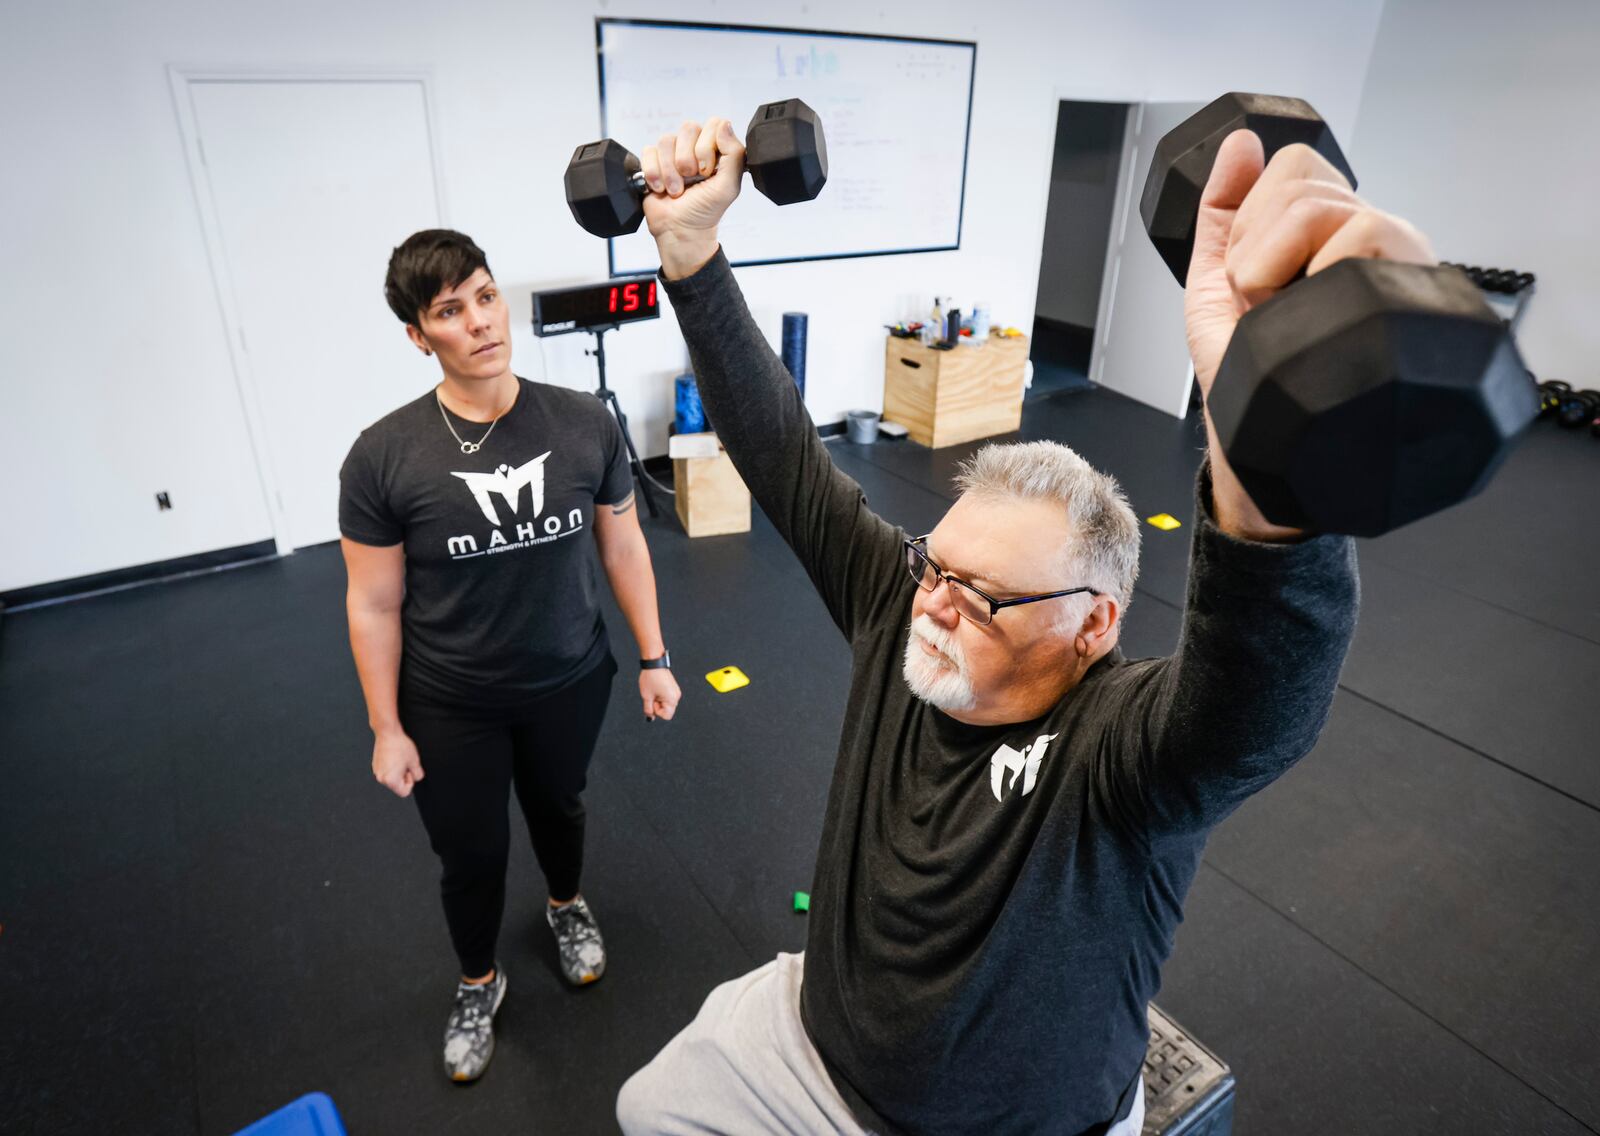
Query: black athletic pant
x,y
471,759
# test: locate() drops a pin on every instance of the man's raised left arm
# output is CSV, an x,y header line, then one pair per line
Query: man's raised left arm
x,y
1270,611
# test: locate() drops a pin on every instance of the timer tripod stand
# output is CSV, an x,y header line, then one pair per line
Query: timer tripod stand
x,y
608,396
597,309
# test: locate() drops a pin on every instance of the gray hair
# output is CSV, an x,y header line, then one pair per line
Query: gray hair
x,y
1103,550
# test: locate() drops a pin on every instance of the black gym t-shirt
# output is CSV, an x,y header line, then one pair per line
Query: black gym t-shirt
x,y
992,905
501,582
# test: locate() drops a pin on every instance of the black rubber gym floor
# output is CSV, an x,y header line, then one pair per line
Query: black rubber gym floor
x,y
207,908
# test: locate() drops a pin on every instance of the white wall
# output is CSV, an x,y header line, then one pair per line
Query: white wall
x,y
1478,124
116,379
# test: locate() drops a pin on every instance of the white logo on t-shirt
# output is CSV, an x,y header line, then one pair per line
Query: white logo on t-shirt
x,y
508,483
1024,763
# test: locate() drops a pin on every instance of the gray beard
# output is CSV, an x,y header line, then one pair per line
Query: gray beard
x,y
945,688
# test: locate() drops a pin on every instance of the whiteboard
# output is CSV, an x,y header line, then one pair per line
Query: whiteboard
x,y
895,112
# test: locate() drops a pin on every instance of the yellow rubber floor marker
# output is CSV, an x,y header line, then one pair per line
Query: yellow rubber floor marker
x,y
1166,522
727,679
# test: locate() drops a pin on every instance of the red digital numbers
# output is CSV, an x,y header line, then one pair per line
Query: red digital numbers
x,y
628,295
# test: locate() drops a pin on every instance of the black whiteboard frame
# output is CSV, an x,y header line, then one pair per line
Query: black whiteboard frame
x,y
966,137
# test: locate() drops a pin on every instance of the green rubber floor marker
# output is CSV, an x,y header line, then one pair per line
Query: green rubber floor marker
x,y
802,902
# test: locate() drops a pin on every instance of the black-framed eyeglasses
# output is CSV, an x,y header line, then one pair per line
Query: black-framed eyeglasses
x,y
970,601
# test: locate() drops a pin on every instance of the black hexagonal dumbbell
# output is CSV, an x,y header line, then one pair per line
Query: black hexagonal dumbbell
x,y
1183,159
784,151
1359,399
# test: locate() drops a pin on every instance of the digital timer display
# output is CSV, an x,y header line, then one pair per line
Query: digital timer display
x,y
595,306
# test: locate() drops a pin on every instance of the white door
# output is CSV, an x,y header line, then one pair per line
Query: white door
x,y
311,185
1139,346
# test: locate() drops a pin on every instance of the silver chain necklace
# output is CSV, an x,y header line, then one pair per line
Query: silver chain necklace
x,y
469,447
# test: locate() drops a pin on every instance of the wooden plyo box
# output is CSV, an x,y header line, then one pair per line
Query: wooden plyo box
x,y
711,496
947,397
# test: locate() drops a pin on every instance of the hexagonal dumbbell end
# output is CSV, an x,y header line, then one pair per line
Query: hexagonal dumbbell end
x,y
1182,162
1368,396
785,152
600,189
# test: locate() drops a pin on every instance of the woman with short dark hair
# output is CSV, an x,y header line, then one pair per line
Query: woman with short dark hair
x,y
474,614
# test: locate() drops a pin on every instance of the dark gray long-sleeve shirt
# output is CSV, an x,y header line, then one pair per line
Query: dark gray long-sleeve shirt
x,y
979,955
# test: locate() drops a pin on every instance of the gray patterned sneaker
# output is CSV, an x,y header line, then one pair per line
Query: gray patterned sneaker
x,y
469,1035
583,955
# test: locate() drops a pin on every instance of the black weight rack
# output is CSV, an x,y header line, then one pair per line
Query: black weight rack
x,y
1507,290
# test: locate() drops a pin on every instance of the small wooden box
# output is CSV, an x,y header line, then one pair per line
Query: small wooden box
x,y
947,397
712,498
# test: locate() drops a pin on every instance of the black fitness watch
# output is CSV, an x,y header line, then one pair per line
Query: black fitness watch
x,y
664,663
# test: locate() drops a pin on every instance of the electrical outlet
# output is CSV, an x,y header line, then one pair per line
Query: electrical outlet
x,y
163,502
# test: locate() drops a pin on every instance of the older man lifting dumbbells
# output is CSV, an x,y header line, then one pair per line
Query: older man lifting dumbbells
x,y
1017,811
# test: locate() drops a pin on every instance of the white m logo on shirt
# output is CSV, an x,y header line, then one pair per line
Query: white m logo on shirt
x,y
1024,763
508,483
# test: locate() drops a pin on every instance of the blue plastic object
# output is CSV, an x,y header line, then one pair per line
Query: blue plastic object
x,y
689,416
311,1115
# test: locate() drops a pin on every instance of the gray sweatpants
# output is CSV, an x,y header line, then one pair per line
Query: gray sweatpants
x,y
745,1065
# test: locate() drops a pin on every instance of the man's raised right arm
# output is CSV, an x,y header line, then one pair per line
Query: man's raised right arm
x,y
849,552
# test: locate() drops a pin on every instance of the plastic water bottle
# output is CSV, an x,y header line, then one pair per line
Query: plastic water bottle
x,y
980,321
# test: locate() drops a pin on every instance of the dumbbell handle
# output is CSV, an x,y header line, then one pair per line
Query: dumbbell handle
x,y
638,185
